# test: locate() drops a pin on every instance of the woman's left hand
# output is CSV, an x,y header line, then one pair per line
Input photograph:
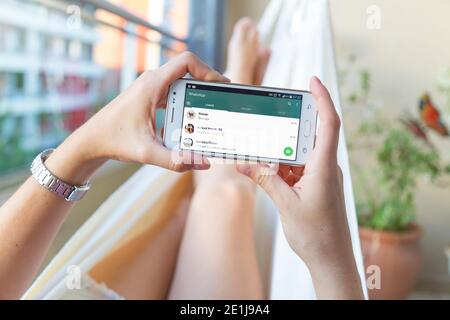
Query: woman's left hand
x,y
124,130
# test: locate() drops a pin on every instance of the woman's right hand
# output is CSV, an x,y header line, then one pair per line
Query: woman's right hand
x,y
313,211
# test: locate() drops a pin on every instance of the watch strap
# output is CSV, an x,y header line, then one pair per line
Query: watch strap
x,y
54,184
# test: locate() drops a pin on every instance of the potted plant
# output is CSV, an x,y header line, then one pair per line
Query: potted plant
x,y
386,212
388,157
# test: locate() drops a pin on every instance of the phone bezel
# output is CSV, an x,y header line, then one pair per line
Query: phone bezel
x,y
174,117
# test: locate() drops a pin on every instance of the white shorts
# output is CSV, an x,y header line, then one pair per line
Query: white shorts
x,y
91,290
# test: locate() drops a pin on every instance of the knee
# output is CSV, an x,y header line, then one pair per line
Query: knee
x,y
235,192
228,196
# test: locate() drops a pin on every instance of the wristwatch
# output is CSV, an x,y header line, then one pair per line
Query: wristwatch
x,y
54,184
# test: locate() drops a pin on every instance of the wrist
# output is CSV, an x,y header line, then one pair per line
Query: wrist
x,y
336,278
75,160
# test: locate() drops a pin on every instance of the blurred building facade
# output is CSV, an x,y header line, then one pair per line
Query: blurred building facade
x,y
48,78
57,68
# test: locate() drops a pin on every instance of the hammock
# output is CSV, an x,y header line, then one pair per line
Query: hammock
x,y
299,34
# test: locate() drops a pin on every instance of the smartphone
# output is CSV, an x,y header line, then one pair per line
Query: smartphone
x,y
233,121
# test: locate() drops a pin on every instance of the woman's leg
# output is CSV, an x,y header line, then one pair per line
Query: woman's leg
x,y
217,258
247,58
221,220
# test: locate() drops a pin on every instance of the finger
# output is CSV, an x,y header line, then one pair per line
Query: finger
x,y
328,134
174,160
216,77
270,181
187,62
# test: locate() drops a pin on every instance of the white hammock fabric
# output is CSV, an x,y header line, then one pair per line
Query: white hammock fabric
x,y
103,231
300,37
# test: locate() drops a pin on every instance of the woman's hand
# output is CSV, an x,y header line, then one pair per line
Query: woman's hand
x,y
125,129
313,210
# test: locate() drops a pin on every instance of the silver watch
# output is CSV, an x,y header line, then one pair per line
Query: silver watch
x,y
52,183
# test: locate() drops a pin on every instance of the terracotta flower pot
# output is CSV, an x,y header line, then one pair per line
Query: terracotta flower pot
x,y
399,258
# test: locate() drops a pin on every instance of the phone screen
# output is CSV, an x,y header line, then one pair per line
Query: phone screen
x,y
241,121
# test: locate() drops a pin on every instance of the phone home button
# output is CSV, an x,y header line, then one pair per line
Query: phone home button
x,y
307,130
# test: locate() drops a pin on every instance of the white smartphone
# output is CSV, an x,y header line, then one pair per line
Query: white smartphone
x,y
241,122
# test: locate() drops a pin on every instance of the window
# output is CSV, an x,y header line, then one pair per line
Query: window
x,y
12,39
3,30
11,83
72,65
74,49
56,47
86,51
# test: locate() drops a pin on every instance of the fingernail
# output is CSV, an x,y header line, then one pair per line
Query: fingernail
x,y
316,79
315,86
245,169
203,166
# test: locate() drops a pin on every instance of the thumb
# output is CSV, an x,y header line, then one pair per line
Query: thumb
x,y
328,133
267,177
174,160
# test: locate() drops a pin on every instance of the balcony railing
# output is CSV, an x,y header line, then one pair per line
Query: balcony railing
x,y
113,37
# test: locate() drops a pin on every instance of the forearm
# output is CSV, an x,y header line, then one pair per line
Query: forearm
x,y
337,280
30,219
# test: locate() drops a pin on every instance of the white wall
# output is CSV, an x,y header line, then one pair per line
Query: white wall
x,y
405,56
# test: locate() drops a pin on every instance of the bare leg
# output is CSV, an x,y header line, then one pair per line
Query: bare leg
x,y
247,58
217,258
220,225
264,57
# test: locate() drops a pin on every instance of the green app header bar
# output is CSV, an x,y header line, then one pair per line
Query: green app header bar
x,y
244,103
